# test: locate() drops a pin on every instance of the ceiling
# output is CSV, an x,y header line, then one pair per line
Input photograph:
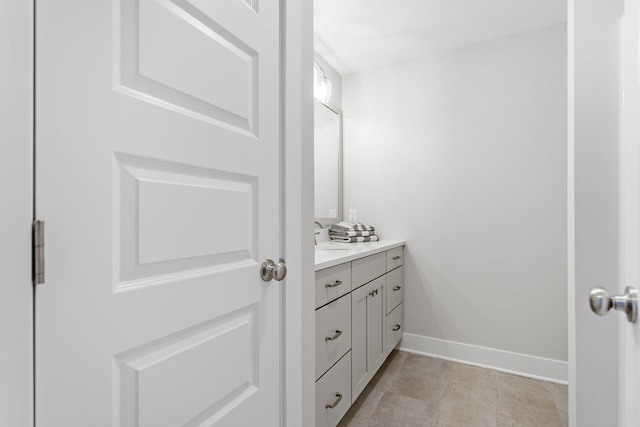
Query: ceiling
x,y
358,35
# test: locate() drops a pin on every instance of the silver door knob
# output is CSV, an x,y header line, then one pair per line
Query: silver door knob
x,y
601,302
273,270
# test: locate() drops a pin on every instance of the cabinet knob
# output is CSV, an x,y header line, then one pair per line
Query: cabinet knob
x,y
397,328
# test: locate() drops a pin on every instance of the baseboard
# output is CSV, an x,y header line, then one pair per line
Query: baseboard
x,y
514,363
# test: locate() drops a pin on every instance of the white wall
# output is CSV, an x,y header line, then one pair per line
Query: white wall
x,y
463,154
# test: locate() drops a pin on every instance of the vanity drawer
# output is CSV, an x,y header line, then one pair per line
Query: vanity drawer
x,y
333,333
334,389
394,328
394,258
366,269
332,283
395,288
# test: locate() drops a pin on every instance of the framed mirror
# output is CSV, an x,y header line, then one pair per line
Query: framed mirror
x,y
328,163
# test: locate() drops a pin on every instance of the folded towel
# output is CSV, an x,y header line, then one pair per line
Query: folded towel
x,y
335,232
352,226
354,239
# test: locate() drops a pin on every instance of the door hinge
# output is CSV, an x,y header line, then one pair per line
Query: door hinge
x,y
38,252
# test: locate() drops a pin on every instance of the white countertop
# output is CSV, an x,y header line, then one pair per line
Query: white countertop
x,y
326,258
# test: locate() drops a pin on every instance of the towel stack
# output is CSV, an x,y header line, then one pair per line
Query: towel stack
x,y
352,232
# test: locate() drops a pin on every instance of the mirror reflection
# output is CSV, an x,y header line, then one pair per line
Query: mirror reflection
x,y
328,163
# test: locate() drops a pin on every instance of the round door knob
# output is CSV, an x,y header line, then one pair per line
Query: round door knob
x,y
273,270
601,302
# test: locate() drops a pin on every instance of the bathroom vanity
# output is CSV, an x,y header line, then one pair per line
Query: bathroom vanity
x,y
359,320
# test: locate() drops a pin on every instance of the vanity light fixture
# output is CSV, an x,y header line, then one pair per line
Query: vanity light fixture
x,y
322,85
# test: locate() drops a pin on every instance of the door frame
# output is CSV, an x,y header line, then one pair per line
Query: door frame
x,y
16,167
299,318
593,208
16,190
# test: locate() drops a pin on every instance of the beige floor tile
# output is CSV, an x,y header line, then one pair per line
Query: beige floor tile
x,y
384,378
423,378
415,363
426,387
527,416
561,395
467,377
363,407
397,410
395,361
470,398
525,402
413,390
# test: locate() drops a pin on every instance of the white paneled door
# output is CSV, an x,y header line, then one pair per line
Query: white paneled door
x,y
157,174
629,378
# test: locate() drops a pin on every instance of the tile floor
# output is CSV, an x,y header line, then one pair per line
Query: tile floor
x,y
413,390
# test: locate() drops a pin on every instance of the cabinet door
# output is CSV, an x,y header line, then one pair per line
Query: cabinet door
x,y
367,333
376,322
359,301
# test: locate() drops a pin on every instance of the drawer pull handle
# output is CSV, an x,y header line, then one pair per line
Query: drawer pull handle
x,y
334,404
396,257
373,293
334,284
396,328
397,288
338,333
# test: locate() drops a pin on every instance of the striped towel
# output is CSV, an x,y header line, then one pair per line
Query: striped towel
x,y
352,226
354,239
335,232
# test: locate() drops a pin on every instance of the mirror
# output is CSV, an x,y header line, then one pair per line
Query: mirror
x,y
328,163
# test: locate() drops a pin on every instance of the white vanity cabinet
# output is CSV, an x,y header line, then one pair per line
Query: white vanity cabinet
x,y
358,322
